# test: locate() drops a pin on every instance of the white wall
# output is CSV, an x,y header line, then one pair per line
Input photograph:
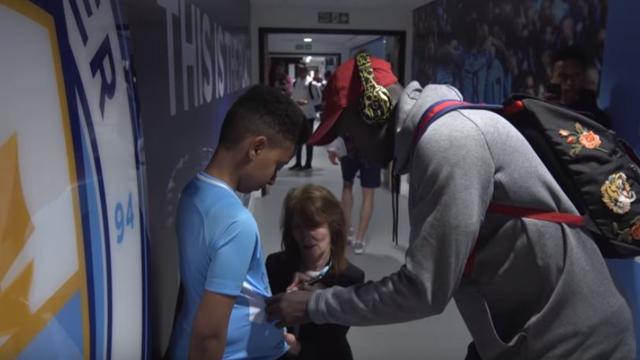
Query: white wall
x,y
341,44
289,48
284,15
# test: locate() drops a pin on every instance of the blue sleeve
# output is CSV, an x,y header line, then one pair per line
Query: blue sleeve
x,y
230,256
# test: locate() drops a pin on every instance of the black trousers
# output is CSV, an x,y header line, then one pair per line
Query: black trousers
x,y
472,352
309,150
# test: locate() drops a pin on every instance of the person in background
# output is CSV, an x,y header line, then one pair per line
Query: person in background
x,y
280,80
592,80
307,95
342,153
223,277
567,85
325,80
313,242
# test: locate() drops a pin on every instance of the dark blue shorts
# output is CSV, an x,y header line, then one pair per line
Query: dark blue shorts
x,y
369,173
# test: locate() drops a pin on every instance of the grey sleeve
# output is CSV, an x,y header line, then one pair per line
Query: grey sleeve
x,y
452,184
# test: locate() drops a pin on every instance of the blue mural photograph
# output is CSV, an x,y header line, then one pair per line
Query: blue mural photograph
x,y
110,108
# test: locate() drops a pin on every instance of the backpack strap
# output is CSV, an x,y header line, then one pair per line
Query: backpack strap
x,y
526,213
439,109
311,97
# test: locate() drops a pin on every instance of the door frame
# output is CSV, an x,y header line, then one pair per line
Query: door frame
x,y
264,31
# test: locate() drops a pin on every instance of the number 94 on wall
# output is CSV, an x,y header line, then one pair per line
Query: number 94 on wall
x,y
124,221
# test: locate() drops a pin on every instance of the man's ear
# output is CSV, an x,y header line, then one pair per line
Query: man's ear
x,y
256,146
395,91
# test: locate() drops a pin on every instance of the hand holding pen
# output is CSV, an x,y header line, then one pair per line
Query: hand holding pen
x,y
302,281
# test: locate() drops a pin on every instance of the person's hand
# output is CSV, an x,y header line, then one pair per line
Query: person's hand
x,y
333,157
301,102
289,309
294,345
302,281
299,280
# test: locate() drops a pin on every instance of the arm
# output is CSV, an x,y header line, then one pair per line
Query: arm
x,y
335,150
452,184
505,56
230,256
278,272
209,332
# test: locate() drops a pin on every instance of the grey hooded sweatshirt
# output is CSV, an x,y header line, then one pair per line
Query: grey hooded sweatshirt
x,y
539,290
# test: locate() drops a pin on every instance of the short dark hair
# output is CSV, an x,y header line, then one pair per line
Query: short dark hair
x,y
570,53
263,110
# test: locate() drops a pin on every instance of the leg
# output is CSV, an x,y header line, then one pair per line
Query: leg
x,y
365,212
370,180
299,154
298,163
347,202
348,168
307,164
472,352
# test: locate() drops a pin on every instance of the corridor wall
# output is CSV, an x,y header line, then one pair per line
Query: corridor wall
x,y
288,14
491,50
191,61
72,231
619,94
108,108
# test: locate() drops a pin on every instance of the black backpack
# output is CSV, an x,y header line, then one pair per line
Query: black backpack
x,y
311,96
598,171
317,107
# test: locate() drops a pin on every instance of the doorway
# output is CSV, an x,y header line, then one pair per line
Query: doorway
x,y
322,50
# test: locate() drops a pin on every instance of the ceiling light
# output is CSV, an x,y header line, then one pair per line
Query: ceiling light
x,y
307,39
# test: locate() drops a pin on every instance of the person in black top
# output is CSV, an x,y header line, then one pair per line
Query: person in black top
x,y
567,85
314,241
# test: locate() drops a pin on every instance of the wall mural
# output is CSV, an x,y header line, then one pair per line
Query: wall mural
x,y
72,244
82,82
489,49
191,60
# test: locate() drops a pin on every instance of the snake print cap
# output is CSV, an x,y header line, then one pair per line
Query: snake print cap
x,y
375,104
345,88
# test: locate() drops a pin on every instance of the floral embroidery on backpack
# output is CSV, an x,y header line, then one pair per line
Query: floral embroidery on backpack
x,y
617,194
630,233
580,138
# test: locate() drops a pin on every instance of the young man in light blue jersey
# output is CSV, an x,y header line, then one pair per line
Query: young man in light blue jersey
x,y
224,281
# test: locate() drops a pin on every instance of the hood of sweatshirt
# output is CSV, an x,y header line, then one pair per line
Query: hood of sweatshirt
x,y
414,101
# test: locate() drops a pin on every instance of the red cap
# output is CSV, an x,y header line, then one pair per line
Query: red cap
x,y
343,89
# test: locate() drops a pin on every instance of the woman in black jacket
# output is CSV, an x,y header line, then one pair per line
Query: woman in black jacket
x,y
314,240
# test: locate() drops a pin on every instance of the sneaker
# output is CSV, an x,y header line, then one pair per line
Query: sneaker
x,y
351,238
295,167
306,168
358,248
